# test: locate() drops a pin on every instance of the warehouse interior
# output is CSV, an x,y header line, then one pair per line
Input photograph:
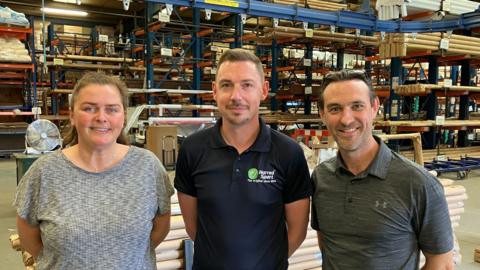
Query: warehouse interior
x,y
422,56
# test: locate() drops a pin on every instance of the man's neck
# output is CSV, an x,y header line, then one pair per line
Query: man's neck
x,y
240,137
358,161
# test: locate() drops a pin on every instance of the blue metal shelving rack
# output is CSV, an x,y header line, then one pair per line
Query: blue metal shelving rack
x,y
347,19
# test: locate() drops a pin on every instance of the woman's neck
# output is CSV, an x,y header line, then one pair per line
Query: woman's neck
x,y
97,160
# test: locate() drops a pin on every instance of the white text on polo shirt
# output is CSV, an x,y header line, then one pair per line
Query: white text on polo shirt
x,y
261,176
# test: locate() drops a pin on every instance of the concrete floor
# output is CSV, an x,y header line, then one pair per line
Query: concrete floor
x,y
468,233
9,259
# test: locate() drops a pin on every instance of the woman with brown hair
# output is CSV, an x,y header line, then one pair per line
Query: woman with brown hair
x,y
98,203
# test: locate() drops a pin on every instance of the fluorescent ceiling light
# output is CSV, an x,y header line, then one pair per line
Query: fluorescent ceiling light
x,y
65,12
67,1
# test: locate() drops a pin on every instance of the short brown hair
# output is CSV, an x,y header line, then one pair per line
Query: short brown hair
x,y
345,75
99,78
237,55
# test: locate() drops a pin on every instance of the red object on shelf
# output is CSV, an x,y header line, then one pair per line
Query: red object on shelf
x,y
12,76
13,66
307,133
17,32
11,83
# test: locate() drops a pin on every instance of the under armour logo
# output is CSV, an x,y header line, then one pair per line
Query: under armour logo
x,y
378,204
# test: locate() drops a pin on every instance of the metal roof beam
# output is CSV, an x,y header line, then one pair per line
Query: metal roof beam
x,y
346,19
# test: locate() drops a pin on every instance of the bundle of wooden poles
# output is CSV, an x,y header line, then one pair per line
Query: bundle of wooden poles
x,y
170,252
412,89
400,44
281,32
27,258
308,255
314,4
455,195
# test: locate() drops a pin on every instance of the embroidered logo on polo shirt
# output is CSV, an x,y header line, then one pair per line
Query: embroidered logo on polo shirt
x,y
252,174
381,204
259,176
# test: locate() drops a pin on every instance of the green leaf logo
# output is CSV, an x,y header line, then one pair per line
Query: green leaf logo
x,y
252,173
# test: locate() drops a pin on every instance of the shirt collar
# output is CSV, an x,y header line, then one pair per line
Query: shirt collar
x,y
261,144
378,167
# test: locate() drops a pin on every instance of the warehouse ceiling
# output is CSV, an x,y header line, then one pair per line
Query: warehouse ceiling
x,y
106,12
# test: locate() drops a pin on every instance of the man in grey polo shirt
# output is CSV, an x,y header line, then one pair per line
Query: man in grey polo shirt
x,y
372,208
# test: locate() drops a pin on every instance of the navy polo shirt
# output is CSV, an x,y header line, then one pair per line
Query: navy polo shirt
x,y
240,198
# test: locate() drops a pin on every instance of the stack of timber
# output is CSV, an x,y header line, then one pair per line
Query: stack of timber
x,y
422,89
455,196
170,252
474,116
287,118
283,32
308,255
427,123
452,153
388,9
401,44
27,258
314,4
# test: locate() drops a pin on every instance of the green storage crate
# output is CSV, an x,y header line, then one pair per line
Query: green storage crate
x,y
24,162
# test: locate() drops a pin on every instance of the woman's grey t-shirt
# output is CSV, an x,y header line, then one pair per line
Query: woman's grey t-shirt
x,y
95,220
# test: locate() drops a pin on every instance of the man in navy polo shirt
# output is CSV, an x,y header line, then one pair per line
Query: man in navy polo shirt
x,y
373,209
243,188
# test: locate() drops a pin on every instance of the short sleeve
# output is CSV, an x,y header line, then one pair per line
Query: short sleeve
x,y
298,182
313,212
164,189
433,221
183,180
27,196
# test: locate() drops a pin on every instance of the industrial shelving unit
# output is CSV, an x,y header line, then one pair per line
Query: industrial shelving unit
x,y
361,24
18,80
18,92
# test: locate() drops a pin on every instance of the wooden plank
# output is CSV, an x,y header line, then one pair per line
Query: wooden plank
x,y
246,37
202,33
416,16
454,153
427,123
288,68
152,27
416,140
110,67
91,58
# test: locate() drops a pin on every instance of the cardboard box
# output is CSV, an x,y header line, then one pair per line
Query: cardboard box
x,y
105,30
162,140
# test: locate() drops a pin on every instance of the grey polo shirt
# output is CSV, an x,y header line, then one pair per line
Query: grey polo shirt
x,y
380,218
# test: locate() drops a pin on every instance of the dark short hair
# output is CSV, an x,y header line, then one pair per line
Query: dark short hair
x,y
239,54
345,75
